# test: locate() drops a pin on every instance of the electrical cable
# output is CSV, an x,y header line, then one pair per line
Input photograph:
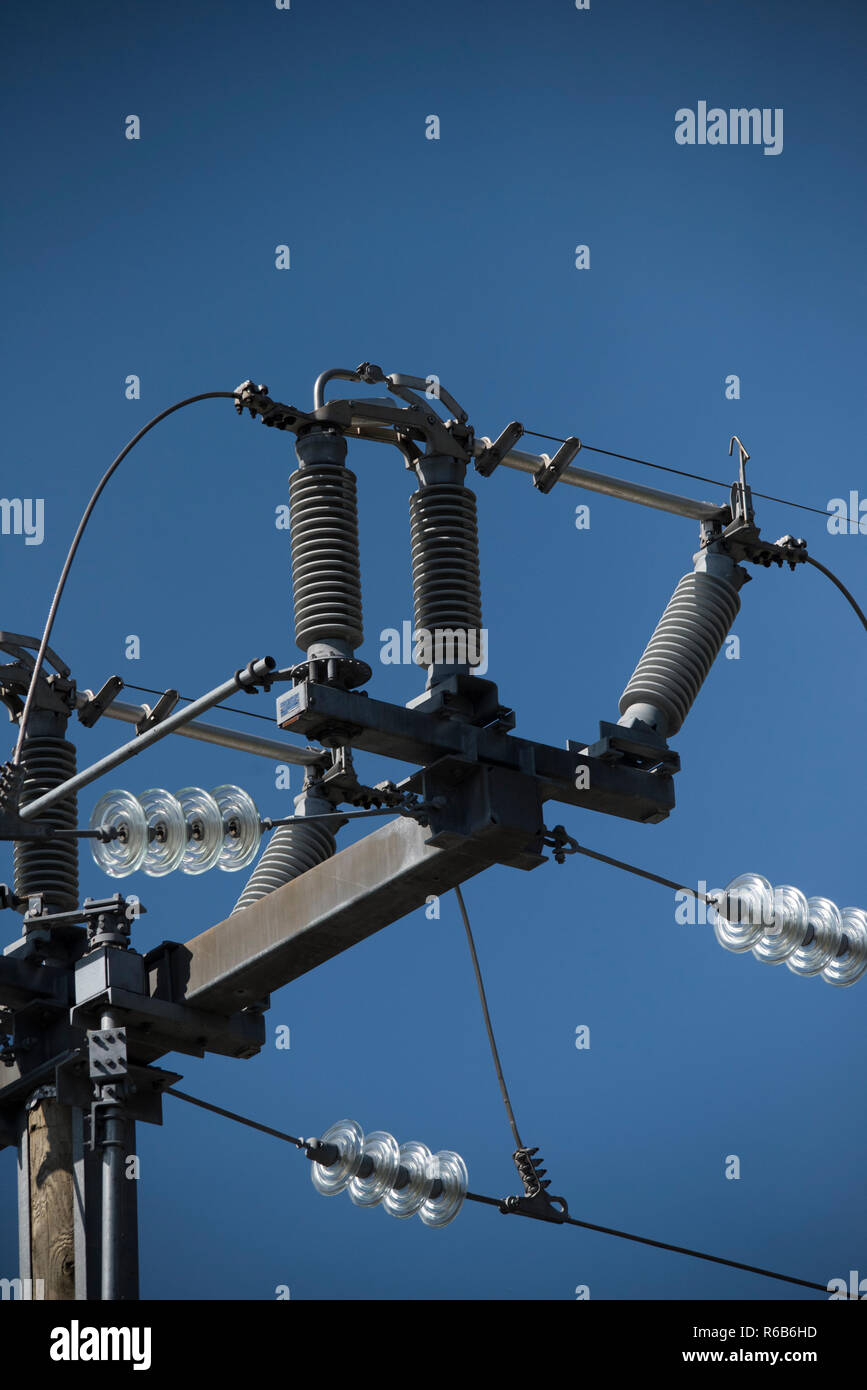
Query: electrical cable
x,y
664,468
64,573
231,1115
783,501
842,587
496,1202
495,1054
640,873
695,1254
188,700
572,1221
298,1143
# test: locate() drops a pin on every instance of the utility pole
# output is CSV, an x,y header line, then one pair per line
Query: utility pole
x,y
86,1015
51,1256
45,1105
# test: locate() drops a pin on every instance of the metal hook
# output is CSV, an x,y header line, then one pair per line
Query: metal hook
x,y
743,455
742,501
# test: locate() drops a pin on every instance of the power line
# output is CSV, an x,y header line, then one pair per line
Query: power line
x,y
188,700
699,477
231,1115
841,586
67,565
495,1054
696,1254
640,873
496,1202
784,502
663,468
298,1143
573,1221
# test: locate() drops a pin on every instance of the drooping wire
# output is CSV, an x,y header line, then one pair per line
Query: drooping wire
x,y
64,573
699,477
573,1221
494,1053
497,1202
841,586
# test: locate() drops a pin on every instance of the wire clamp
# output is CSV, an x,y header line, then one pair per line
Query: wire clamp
x,y
536,1201
493,455
562,844
161,710
794,552
552,470
96,705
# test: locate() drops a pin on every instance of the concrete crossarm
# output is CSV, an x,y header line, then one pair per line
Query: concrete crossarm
x,y
330,907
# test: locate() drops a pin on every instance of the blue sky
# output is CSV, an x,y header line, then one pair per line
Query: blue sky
x,y
156,257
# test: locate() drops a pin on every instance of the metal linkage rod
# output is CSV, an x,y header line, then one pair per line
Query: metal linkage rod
x,y
255,672
616,487
576,477
270,748
112,1183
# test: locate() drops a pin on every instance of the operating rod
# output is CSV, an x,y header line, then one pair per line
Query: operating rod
x,y
617,487
256,671
579,477
270,748
113,1156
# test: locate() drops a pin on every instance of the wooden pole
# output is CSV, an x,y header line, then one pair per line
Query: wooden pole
x,y
52,1242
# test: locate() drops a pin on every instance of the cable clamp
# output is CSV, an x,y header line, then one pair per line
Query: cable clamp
x,y
249,396
794,552
96,705
494,454
552,469
161,710
536,1201
562,844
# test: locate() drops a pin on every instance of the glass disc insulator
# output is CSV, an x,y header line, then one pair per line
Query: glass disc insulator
x,y
167,832
846,969
791,924
827,926
452,1173
241,829
121,811
381,1148
349,1139
743,912
204,830
418,1161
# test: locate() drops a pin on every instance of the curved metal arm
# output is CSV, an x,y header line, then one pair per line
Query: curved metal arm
x,y
332,374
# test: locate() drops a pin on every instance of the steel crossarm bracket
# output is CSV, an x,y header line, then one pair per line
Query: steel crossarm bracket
x,y
156,1026
568,775
22,982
